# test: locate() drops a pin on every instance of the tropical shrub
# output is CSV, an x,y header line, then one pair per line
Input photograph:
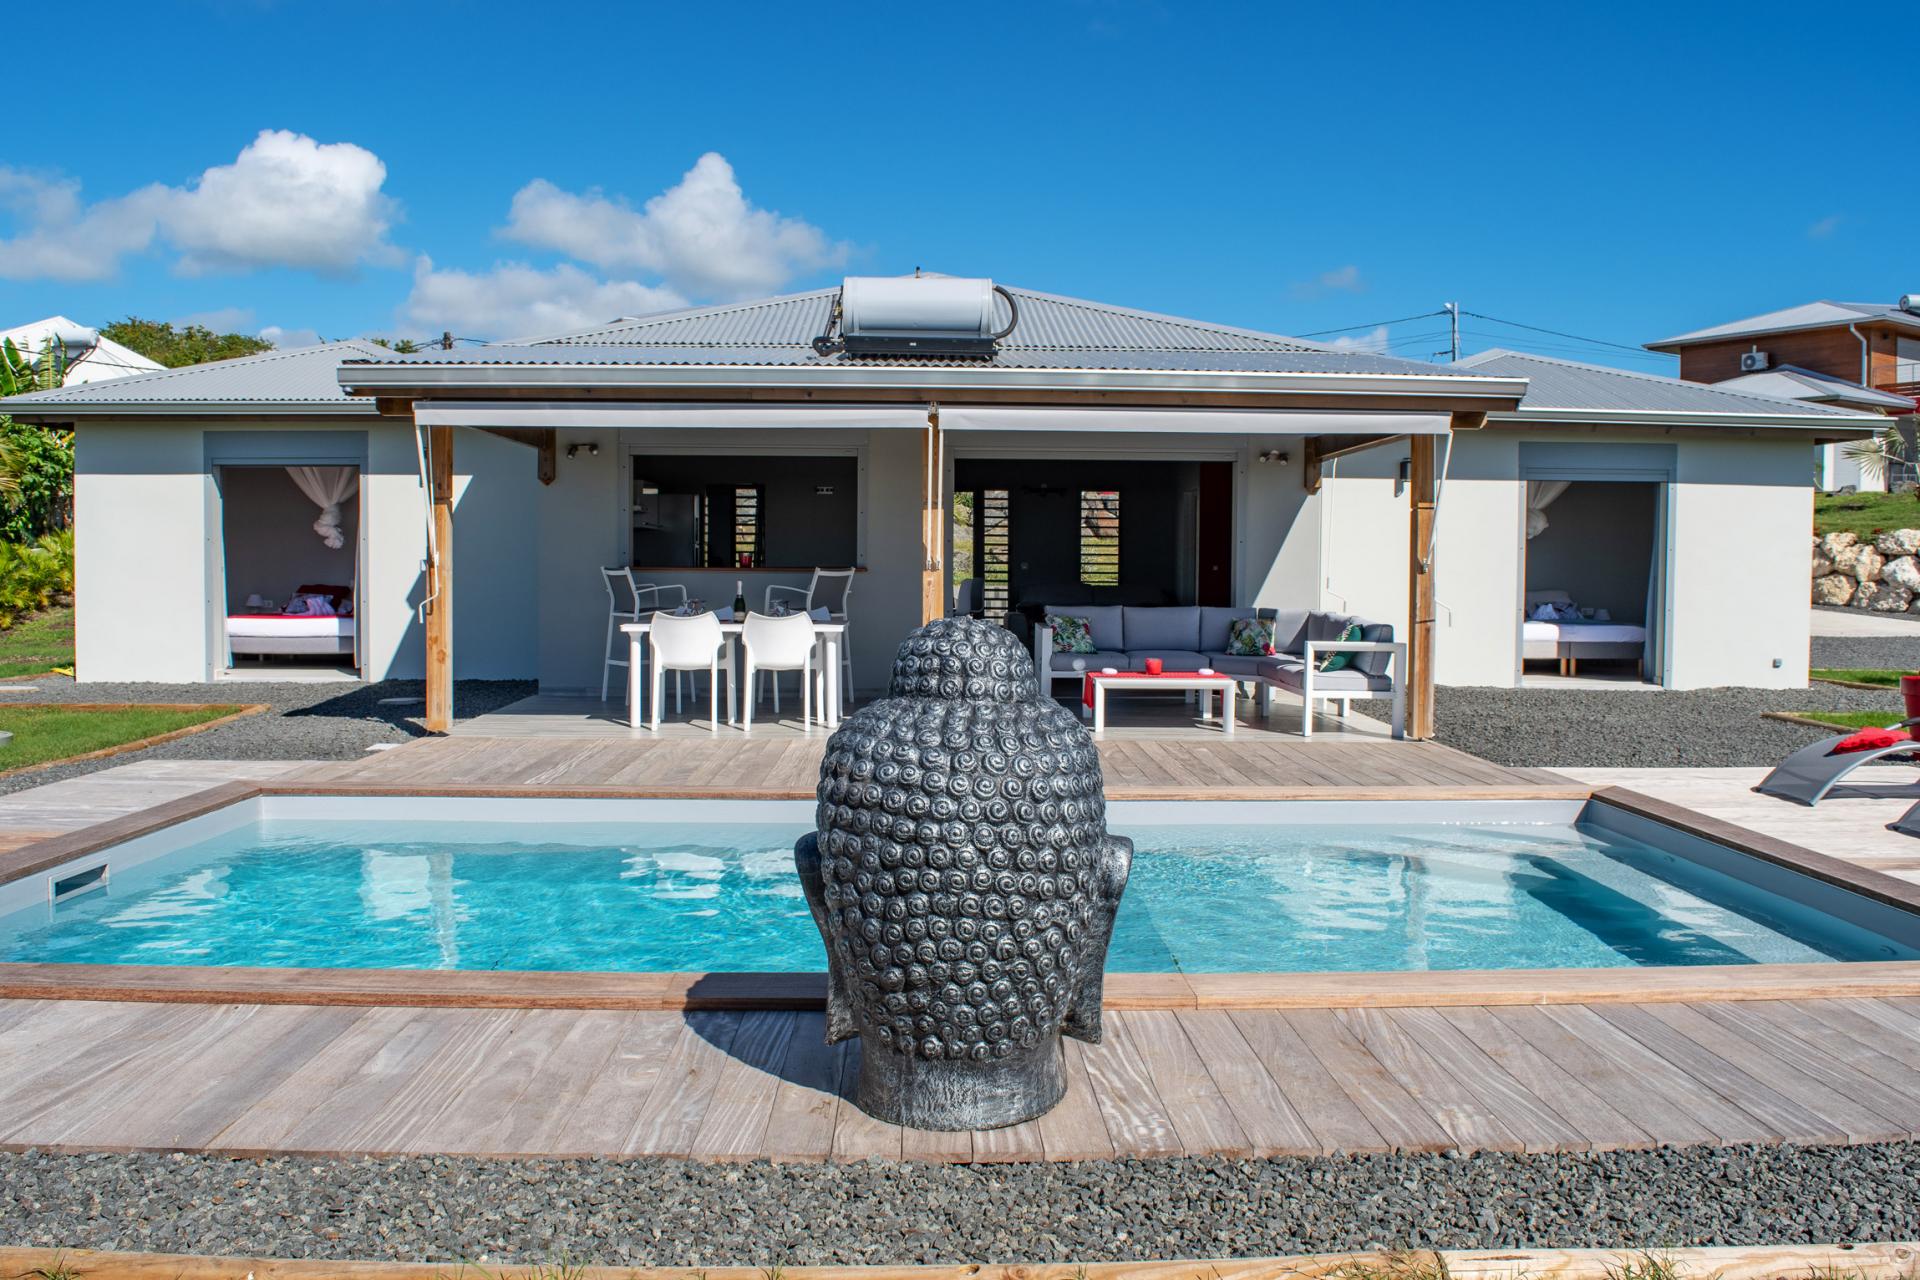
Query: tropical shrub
x,y
36,480
33,575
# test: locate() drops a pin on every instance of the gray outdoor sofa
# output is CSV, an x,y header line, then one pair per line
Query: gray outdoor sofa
x,y
1188,637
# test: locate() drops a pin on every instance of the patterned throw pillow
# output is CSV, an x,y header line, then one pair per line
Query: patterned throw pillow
x,y
1071,635
1339,660
1250,638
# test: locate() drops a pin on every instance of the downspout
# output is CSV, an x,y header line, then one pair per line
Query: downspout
x,y
1866,366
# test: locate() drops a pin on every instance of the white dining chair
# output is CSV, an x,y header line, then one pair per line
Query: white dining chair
x,y
832,590
774,645
689,644
641,598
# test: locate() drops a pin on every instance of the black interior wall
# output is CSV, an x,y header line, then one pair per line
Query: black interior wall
x,y
1043,500
801,526
1598,546
270,545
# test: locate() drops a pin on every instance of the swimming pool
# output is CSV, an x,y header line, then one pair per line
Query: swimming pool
x,y
709,886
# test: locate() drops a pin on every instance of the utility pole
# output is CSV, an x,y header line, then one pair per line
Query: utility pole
x,y
1453,323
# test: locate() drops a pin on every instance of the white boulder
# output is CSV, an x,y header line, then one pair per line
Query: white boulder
x,y
1898,542
1832,544
1834,588
1886,597
1821,565
1862,561
1902,571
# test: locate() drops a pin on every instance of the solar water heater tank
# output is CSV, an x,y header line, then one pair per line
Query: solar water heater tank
x,y
929,315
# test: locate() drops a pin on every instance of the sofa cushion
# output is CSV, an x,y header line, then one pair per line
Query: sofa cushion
x,y
1228,664
1374,664
1172,659
1292,675
1215,622
1103,622
1290,630
1091,661
1337,659
1251,638
1070,634
1177,627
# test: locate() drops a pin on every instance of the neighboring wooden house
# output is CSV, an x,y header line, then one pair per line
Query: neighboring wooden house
x,y
1863,355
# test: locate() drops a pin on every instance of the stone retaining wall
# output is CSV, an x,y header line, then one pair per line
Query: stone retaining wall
x,y
1881,573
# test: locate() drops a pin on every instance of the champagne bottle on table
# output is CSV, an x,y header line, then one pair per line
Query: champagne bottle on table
x,y
739,599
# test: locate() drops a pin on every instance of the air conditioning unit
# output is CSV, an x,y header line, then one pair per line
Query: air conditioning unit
x,y
1753,361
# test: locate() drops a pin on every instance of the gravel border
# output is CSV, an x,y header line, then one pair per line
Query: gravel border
x,y
682,1213
318,721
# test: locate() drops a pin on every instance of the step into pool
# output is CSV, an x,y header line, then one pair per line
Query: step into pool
x,y
709,886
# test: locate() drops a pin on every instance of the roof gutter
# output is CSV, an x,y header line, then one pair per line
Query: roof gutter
x,y
1665,345
1866,422
67,411
360,379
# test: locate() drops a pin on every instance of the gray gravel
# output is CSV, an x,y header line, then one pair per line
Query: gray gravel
x,y
675,1213
1654,728
1885,652
308,721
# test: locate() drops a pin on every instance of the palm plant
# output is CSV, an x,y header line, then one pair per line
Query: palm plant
x,y
1877,452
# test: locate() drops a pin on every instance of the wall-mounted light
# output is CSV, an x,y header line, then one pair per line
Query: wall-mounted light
x,y
1274,455
1404,477
593,449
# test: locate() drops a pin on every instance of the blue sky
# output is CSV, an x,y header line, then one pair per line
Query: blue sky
x,y
1620,172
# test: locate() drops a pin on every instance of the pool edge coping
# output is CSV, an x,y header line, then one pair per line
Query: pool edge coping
x,y
807,990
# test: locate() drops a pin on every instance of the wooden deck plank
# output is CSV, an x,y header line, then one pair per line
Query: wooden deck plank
x,y
1335,1122
1386,1101
736,1118
1260,1106
1448,1096
574,1059
800,1119
857,1135
1599,1125
1826,1096
610,1107
1617,1085
1838,1029
1532,1119
35,1093
1600,1034
1075,1129
408,1120
1135,1116
1200,1114
669,1120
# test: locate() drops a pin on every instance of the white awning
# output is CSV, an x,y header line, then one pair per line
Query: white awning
x,y
1212,422
742,416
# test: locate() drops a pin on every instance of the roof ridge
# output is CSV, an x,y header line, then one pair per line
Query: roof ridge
x,y
1162,317
621,323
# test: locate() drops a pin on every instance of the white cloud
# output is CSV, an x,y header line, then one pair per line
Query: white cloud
x,y
702,236
1824,227
1345,279
1373,341
514,300
288,339
285,201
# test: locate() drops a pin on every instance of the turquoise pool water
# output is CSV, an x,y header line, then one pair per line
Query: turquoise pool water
x,y
415,894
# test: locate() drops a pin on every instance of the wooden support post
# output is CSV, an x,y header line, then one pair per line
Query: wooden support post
x,y
439,717
933,592
1422,490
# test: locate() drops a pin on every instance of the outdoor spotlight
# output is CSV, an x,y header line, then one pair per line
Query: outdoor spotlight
x,y
593,449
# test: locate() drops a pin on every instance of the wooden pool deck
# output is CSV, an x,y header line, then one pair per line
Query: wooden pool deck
x,y
712,1067
256,1079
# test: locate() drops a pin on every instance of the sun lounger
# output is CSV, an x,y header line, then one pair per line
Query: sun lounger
x,y
1811,772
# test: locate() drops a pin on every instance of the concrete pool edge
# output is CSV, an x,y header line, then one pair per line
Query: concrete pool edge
x,y
806,991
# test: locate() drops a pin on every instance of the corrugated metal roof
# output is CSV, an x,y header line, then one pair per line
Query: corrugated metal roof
x,y
1047,322
1570,386
1791,382
305,376
1809,315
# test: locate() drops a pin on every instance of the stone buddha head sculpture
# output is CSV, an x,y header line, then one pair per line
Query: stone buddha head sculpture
x,y
964,882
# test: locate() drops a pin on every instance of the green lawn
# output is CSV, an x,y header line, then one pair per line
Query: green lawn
x,y
34,646
1864,513
43,733
1860,675
1852,719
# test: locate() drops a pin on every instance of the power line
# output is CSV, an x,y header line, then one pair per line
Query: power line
x,y
1377,324
1534,328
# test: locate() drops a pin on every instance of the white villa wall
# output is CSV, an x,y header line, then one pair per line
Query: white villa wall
x,y
147,535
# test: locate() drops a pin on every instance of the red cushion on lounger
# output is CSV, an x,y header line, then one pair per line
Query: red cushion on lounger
x,y
1871,740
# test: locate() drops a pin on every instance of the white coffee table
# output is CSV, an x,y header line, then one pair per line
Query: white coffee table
x,y
1120,682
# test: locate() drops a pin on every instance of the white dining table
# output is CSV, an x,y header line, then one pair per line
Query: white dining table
x,y
826,670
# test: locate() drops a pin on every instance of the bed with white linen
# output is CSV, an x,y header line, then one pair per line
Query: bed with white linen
x,y
1568,640
260,634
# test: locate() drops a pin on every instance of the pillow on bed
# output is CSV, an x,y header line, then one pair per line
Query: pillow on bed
x,y
341,598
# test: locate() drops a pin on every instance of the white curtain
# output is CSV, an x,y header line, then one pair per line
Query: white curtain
x,y
327,487
1540,495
